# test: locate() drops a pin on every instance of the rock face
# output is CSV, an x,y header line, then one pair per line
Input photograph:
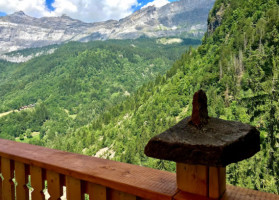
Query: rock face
x,y
215,20
181,18
19,31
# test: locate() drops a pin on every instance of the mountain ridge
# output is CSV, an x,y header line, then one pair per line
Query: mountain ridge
x,y
184,18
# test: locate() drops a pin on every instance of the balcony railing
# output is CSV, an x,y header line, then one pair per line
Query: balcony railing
x,y
99,178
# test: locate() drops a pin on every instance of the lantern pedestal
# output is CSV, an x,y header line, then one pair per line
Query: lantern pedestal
x,y
201,180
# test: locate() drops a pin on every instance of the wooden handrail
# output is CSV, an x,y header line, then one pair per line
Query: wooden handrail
x,y
139,181
84,174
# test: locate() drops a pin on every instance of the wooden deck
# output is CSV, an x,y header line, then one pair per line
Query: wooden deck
x,y
101,179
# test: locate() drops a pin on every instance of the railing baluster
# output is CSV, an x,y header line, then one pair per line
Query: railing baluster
x,y
96,192
73,189
118,195
21,176
0,181
38,183
7,168
54,185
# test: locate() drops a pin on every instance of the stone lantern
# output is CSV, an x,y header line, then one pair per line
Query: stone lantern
x,y
202,147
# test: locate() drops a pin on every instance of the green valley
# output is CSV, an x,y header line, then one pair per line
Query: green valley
x,y
72,86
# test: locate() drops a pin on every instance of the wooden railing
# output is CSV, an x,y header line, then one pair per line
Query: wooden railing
x,y
24,166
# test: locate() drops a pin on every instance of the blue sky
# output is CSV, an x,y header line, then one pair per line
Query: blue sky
x,y
84,10
144,2
48,3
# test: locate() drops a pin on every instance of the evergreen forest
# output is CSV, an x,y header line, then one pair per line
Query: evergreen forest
x,y
72,86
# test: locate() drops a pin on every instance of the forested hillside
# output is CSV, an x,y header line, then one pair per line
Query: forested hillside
x,y
70,87
237,65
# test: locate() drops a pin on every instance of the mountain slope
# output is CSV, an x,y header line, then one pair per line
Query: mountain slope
x,y
185,18
238,67
79,81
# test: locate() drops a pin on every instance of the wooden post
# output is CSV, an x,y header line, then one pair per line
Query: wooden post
x,y
192,178
217,182
201,180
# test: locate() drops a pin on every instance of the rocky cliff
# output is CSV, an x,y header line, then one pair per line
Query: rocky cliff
x,y
183,18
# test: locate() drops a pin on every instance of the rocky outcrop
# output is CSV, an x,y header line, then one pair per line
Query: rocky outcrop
x,y
215,20
19,58
182,18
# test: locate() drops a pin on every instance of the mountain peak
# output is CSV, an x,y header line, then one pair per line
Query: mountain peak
x,y
65,16
19,13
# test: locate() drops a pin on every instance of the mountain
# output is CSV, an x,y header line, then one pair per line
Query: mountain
x,y
237,65
185,18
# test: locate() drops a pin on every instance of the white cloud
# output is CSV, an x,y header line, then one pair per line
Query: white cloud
x,y
157,3
32,7
85,10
